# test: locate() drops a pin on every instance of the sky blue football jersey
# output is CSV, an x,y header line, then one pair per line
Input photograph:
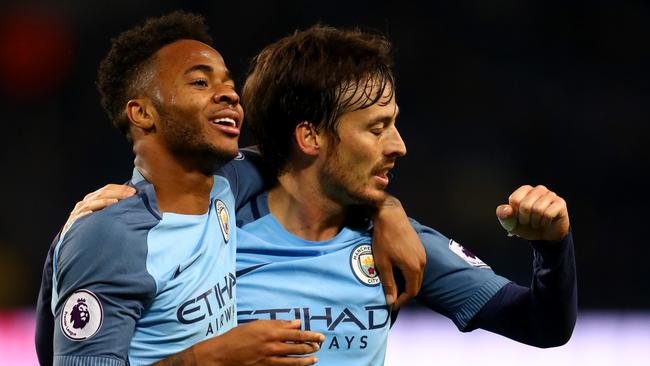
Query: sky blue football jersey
x,y
132,283
333,287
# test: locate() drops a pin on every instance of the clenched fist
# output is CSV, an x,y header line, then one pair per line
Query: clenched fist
x,y
535,213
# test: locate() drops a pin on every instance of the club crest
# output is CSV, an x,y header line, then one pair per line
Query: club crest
x,y
363,265
466,255
82,316
224,219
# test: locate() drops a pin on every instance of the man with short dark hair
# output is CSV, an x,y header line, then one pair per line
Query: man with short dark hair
x,y
322,104
153,276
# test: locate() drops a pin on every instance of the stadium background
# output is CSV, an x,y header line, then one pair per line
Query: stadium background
x,y
492,94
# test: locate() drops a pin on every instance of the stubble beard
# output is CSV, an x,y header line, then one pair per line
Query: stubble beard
x,y
186,140
342,183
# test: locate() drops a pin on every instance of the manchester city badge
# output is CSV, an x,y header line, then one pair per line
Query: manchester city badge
x,y
224,219
363,265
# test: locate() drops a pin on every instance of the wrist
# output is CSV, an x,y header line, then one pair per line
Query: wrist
x,y
202,351
552,246
388,206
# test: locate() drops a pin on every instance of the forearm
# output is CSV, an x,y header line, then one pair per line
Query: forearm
x,y
184,358
396,244
388,205
544,314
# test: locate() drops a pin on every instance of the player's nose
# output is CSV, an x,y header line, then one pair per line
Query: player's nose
x,y
226,95
395,146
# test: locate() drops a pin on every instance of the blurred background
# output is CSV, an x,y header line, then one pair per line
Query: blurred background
x,y
492,95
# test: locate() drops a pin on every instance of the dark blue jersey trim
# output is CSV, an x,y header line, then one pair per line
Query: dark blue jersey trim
x,y
543,315
256,210
242,272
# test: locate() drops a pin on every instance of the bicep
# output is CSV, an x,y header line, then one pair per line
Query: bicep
x,y
100,290
455,284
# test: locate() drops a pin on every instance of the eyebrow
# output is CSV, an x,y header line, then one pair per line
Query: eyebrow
x,y
384,119
206,69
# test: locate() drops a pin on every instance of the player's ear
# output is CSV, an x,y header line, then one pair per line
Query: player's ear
x,y
307,138
141,113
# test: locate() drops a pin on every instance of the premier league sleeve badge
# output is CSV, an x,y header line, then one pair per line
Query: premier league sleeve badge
x,y
82,316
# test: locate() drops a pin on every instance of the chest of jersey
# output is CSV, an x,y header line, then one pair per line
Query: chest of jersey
x,y
332,287
192,259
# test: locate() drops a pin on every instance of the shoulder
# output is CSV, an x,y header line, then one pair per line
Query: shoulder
x,y
445,251
119,220
118,231
246,162
106,253
244,174
428,235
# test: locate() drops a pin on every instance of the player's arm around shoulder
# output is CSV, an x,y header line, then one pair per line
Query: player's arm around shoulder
x,y
395,243
101,287
261,342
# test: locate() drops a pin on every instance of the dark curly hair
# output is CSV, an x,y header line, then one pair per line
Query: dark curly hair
x,y
124,73
313,75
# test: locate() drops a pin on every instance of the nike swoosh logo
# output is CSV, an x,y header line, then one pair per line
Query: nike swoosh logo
x,y
249,269
182,267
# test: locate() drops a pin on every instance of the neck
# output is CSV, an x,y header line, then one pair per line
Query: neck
x,y
180,187
303,209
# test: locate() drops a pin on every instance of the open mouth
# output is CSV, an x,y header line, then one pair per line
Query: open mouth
x,y
383,175
225,122
227,125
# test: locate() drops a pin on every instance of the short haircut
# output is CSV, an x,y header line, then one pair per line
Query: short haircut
x,y
313,76
123,74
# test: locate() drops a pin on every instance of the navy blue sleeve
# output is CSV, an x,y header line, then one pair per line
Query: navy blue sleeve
x,y
456,283
543,315
244,173
44,317
101,285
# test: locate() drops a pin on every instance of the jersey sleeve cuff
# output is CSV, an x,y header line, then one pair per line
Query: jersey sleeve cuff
x,y
87,361
472,306
553,249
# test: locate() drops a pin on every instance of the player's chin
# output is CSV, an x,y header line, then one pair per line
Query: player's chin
x,y
228,148
373,196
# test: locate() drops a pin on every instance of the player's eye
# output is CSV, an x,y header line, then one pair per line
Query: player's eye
x,y
377,130
200,83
